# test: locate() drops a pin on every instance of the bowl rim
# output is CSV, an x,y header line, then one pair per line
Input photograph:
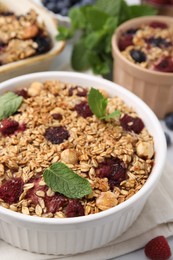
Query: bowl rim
x,y
157,5
153,178
136,21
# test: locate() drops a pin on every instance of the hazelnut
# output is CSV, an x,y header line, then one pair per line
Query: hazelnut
x,y
145,149
30,32
35,89
106,200
69,156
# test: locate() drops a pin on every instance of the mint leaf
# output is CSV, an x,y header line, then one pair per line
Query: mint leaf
x,y
80,54
141,10
111,7
77,18
64,33
62,179
9,103
97,102
95,18
115,114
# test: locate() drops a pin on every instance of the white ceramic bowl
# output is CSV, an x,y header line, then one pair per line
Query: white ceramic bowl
x,y
79,234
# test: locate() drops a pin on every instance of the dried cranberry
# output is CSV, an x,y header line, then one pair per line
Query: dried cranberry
x,y
11,190
138,55
129,123
157,24
74,209
8,126
83,109
22,127
159,2
113,169
57,116
31,193
54,203
81,92
125,41
56,134
165,65
158,42
22,92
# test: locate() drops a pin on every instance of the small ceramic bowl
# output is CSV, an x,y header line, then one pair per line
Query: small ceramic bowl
x,y
79,234
36,63
163,9
154,87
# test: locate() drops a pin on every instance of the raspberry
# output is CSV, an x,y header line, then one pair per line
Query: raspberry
x,y
11,190
31,193
158,249
83,109
57,116
165,65
74,209
156,24
23,93
8,126
56,134
113,169
129,123
54,203
125,41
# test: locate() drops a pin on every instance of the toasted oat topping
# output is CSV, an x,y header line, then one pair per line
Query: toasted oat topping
x,y
22,37
116,161
149,46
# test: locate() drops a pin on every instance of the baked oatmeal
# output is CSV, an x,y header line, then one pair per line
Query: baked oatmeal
x,y
149,46
22,37
54,125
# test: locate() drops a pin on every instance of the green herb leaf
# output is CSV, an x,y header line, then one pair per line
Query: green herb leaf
x,y
115,114
62,179
9,104
97,103
142,10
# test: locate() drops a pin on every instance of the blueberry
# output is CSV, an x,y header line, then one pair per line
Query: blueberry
x,y
131,31
168,139
44,43
158,42
138,55
51,6
169,121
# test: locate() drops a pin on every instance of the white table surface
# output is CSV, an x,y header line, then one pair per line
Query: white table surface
x,y
62,63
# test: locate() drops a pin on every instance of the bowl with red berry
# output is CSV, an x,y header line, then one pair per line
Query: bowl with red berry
x,y
164,7
79,158
143,60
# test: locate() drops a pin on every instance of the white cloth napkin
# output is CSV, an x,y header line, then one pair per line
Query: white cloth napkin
x,y
155,219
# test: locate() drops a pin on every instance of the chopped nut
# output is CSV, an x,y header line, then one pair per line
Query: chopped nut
x,y
35,89
145,149
69,156
106,200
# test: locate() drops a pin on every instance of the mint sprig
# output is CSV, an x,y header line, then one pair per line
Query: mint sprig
x,y
9,104
62,179
98,103
94,26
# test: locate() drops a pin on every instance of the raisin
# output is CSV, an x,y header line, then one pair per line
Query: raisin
x,y
8,126
74,209
83,109
23,93
138,55
158,42
54,203
113,169
129,123
56,134
43,42
11,190
81,92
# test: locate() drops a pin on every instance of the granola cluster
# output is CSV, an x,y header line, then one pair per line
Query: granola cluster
x,y
116,156
22,37
149,46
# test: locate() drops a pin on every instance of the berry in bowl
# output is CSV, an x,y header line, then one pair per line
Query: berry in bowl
x,y
143,60
79,159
